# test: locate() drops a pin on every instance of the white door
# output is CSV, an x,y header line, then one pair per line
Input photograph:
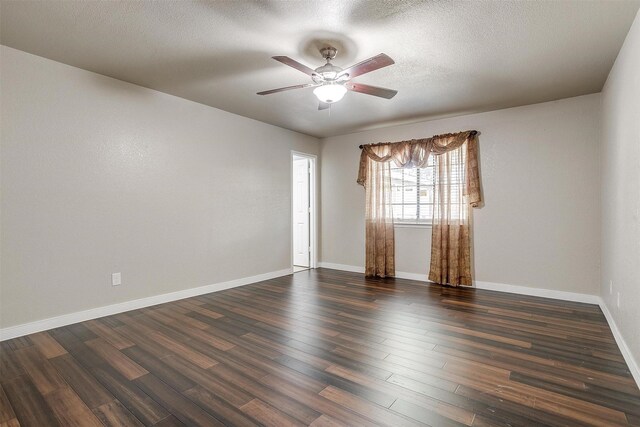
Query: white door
x,y
301,211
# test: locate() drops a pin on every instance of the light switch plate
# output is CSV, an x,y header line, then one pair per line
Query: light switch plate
x,y
116,279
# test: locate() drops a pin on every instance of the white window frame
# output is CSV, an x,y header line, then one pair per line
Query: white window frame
x,y
415,223
411,223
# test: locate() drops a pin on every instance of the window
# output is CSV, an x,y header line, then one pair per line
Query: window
x,y
412,190
412,194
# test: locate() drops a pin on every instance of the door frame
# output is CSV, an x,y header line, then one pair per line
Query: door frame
x,y
313,202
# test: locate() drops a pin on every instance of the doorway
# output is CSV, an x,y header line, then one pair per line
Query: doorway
x,y
303,196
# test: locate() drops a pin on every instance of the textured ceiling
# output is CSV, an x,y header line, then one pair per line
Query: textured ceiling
x,y
451,57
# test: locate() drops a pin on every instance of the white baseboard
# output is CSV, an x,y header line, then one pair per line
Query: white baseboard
x,y
413,276
490,286
632,364
538,292
355,269
343,267
93,313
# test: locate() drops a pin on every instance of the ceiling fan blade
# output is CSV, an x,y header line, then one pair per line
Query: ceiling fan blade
x,y
323,105
372,90
282,89
295,64
368,65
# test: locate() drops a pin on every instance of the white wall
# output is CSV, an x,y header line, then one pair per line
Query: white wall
x,y
540,226
621,190
101,176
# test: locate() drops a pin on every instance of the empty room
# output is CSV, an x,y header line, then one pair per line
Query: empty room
x,y
319,213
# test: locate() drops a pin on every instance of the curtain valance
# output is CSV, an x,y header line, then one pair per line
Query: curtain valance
x,y
415,153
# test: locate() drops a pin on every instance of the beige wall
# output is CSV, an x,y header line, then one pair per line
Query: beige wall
x,y
621,190
540,226
101,176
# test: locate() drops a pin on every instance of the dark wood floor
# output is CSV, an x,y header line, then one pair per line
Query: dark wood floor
x,y
326,348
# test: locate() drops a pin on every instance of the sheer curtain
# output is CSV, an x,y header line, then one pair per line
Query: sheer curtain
x,y
457,188
450,238
380,240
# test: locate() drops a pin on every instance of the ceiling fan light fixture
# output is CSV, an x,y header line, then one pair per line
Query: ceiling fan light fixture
x,y
330,92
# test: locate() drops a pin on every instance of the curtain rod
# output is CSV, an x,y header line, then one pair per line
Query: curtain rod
x,y
472,132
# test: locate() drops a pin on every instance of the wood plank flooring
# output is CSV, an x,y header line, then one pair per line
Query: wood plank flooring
x,y
325,348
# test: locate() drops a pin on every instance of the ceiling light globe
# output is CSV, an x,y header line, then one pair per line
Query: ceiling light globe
x,y
330,93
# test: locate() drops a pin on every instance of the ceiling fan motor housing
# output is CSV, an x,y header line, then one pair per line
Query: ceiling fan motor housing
x,y
328,52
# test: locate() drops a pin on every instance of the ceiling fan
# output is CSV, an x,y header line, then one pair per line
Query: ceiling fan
x,y
331,82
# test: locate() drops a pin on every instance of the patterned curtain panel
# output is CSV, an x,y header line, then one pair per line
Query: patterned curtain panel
x,y
450,240
380,243
457,188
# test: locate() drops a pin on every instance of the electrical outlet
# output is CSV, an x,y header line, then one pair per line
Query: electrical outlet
x,y
618,302
610,287
116,279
